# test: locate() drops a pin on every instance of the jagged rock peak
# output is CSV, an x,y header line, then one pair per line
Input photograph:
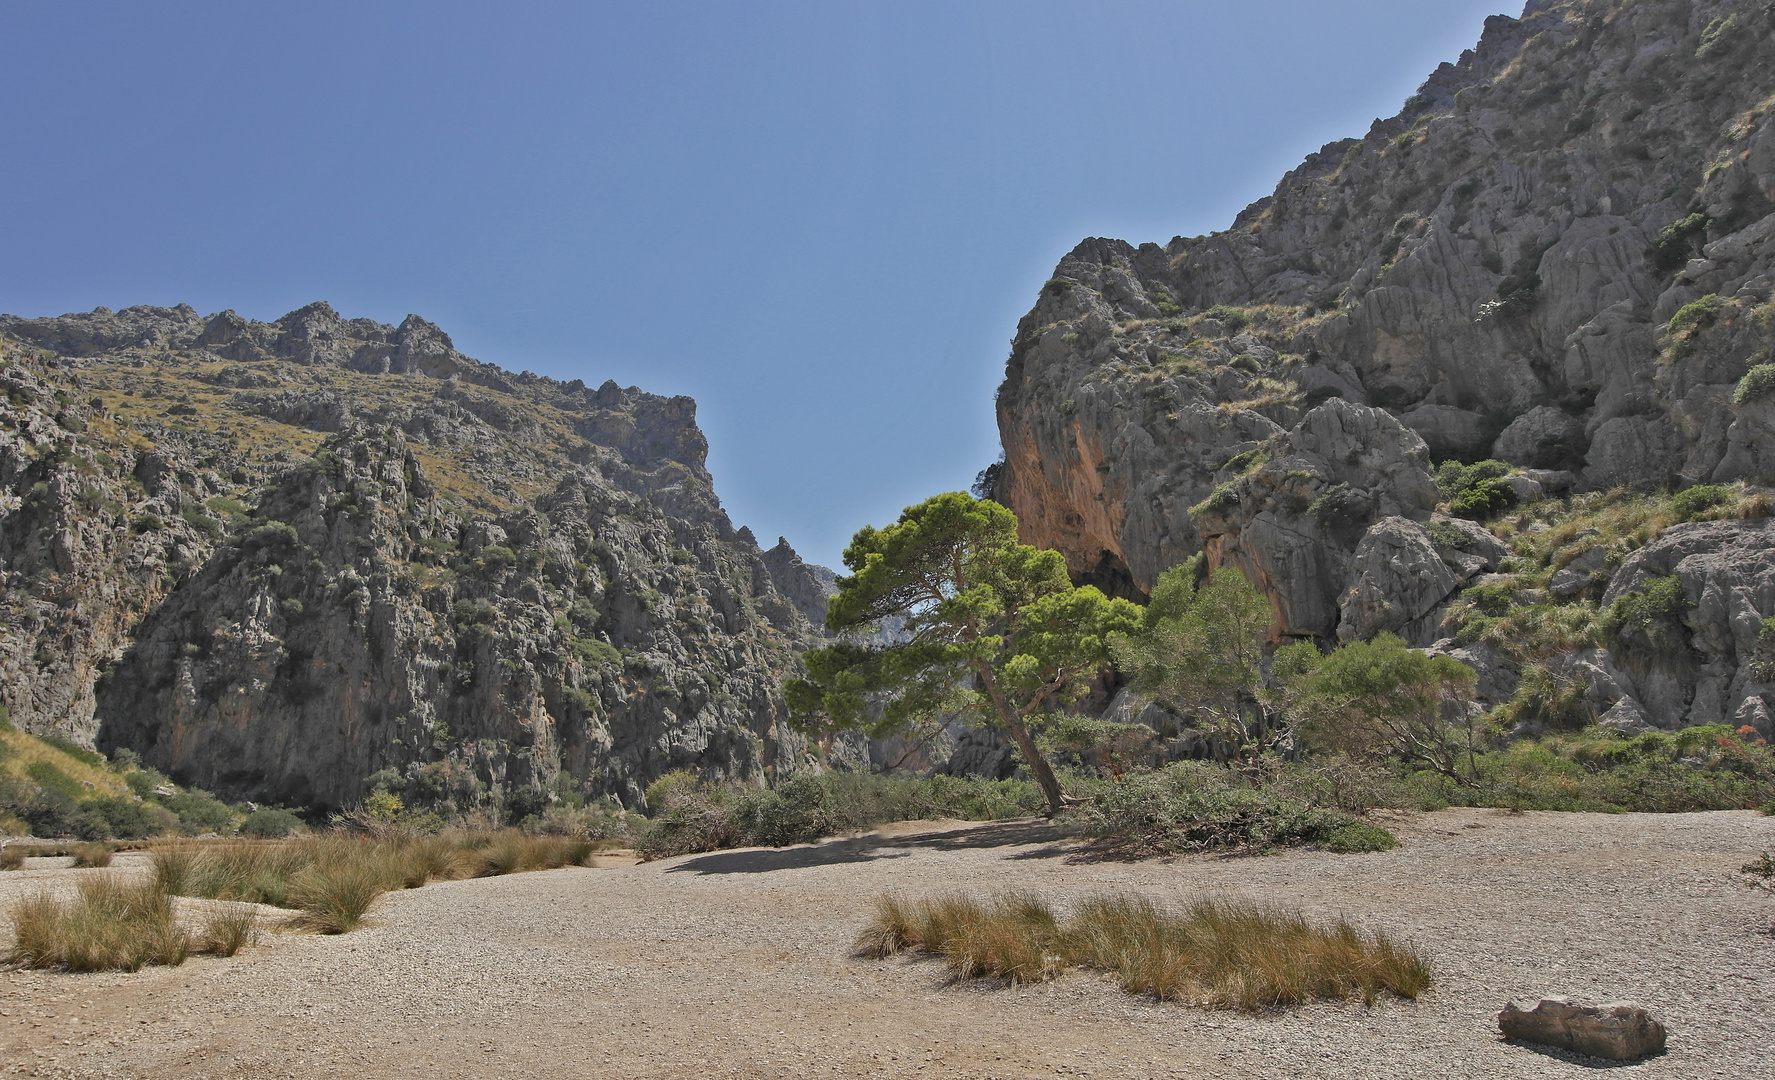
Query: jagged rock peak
x,y
806,585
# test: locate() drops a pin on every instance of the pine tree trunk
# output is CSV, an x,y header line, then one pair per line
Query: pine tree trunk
x,y
1013,721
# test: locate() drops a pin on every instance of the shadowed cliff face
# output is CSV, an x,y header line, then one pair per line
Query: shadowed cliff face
x,y
1498,267
276,558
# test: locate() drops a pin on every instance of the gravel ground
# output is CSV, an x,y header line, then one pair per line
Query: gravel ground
x,y
736,964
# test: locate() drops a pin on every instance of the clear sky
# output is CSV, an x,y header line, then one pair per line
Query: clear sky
x,y
821,219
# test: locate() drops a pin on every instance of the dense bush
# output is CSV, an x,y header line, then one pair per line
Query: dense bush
x,y
691,816
1475,491
114,817
1691,502
269,823
199,812
1758,383
1700,768
1199,806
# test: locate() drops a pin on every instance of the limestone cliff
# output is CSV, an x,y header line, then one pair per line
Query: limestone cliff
x,y
1559,254
276,558
1497,266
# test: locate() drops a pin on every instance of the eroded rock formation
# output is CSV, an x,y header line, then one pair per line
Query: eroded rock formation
x,y
276,558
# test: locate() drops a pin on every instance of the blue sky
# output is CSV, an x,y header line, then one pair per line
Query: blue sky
x,y
822,220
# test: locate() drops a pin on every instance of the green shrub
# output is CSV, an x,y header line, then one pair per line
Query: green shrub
x,y
269,823
202,522
798,812
1234,319
1162,299
1484,500
1676,242
1197,806
1758,383
114,817
144,781
1718,36
499,557
1696,316
1648,619
597,654
1219,503
44,809
199,812
1359,837
1762,658
1474,491
275,539
1690,503
690,816
1595,769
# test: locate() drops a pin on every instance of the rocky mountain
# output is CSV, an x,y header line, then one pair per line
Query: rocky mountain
x,y
1558,255
275,558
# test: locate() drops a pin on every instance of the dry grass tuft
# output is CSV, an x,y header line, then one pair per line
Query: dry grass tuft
x,y
1212,954
227,928
333,878
332,898
1013,937
109,925
514,853
92,855
12,858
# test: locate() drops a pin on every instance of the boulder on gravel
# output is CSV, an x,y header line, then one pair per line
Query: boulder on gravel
x,y
1618,1030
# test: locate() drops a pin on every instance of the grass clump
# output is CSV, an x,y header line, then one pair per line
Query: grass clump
x,y
333,897
227,929
92,855
109,925
332,879
1211,954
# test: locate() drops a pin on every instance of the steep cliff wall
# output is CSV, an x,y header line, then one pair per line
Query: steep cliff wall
x,y
1497,266
1559,254
276,558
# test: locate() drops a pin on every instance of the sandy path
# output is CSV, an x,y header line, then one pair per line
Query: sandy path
x,y
736,964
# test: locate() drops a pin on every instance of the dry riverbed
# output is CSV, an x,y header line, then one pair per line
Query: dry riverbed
x,y
737,964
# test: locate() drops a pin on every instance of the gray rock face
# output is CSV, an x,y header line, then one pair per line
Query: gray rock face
x,y
1296,525
805,585
1542,438
1561,252
1399,578
1617,1031
482,581
92,532
1727,573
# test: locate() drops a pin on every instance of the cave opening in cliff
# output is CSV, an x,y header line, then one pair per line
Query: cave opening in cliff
x,y
1111,576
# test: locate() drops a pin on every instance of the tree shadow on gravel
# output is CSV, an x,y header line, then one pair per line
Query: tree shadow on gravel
x,y
869,848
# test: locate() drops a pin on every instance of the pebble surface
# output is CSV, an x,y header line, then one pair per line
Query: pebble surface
x,y
737,964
